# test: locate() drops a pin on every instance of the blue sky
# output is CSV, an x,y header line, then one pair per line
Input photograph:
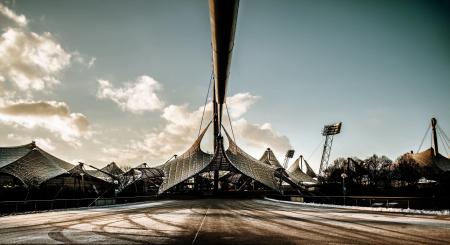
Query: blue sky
x,y
380,67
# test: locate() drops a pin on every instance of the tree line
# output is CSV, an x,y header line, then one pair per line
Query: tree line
x,y
379,175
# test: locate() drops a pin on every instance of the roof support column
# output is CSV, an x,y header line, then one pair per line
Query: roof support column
x,y
435,141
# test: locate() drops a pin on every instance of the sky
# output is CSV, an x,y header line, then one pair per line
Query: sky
x,y
127,81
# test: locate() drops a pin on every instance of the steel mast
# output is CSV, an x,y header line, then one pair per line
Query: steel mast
x,y
223,16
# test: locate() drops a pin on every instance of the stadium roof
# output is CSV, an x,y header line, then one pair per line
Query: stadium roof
x,y
309,170
195,161
298,175
269,158
31,164
185,166
428,159
113,169
136,174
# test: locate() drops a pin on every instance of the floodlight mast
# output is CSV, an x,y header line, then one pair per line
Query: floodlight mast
x,y
289,155
328,131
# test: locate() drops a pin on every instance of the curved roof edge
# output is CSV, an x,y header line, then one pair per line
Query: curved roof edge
x,y
298,175
251,167
269,157
191,162
35,168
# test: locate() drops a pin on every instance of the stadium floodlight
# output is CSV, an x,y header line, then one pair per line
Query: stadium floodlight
x,y
332,129
328,131
290,153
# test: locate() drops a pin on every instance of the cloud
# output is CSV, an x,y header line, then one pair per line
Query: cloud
x,y
45,143
136,96
240,103
261,135
30,60
7,14
181,130
50,115
83,59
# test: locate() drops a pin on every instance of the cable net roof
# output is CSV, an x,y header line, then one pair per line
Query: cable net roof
x,y
195,161
113,169
136,174
247,165
309,170
269,158
183,167
11,154
298,175
34,166
428,159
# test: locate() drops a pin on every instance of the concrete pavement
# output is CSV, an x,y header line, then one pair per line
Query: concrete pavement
x,y
223,221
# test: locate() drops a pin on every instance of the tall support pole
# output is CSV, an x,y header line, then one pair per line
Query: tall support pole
x,y
301,163
435,141
326,153
328,131
223,17
216,133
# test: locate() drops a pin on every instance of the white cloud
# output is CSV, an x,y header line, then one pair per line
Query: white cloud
x,y
261,136
50,115
136,96
91,62
240,103
45,143
181,130
83,59
30,60
8,14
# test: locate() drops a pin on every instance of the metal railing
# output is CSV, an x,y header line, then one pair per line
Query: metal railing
x,y
7,207
432,203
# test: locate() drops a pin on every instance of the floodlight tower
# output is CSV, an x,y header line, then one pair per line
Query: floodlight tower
x,y
289,155
329,131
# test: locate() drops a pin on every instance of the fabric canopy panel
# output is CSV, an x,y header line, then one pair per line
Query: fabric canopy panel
x,y
95,174
190,163
106,173
137,174
195,161
32,165
11,154
113,169
298,175
309,170
249,166
269,158
428,159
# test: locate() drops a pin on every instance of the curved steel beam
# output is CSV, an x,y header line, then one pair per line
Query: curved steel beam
x,y
223,16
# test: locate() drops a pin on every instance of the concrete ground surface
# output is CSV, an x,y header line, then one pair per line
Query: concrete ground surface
x,y
223,221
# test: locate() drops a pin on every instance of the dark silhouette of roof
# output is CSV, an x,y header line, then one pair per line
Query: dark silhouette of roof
x,y
139,173
428,159
113,169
